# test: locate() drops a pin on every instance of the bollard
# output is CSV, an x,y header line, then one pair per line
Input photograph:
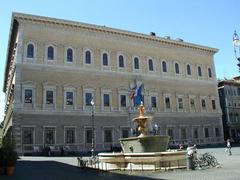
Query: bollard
x,y
190,163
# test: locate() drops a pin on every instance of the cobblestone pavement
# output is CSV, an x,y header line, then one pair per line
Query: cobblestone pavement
x,y
57,168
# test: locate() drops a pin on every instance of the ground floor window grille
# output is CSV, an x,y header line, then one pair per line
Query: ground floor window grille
x,y
49,135
89,136
206,130
195,133
108,136
70,136
183,133
170,133
125,133
217,132
27,135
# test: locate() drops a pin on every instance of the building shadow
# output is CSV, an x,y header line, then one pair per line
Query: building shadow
x,y
52,170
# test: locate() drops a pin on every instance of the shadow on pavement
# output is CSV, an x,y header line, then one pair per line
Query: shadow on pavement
x,y
52,170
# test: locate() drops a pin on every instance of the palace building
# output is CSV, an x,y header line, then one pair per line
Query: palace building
x,y
64,79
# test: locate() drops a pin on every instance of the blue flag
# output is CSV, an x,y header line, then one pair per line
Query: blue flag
x,y
138,95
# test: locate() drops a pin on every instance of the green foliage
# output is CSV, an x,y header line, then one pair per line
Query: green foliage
x,y
1,157
9,155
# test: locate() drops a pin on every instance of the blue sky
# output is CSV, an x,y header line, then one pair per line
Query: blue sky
x,y
204,22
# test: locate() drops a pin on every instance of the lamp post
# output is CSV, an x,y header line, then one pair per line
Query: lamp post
x,y
236,45
93,142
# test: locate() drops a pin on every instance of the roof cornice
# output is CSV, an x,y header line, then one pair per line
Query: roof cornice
x,y
104,29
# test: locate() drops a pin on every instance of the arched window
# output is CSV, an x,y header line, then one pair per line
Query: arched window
x,y
105,59
121,61
209,72
164,66
176,68
136,63
50,53
30,51
88,57
189,70
150,65
199,71
69,55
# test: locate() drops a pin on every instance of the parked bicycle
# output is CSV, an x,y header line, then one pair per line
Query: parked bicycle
x,y
206,160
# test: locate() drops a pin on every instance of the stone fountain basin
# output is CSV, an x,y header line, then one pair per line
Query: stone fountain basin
x,y
144,144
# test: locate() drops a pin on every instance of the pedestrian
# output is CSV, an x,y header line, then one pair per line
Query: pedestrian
x,y
49,151
62,150
180,147
229,147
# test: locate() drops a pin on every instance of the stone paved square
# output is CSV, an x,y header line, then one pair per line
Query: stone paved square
x,y
57,168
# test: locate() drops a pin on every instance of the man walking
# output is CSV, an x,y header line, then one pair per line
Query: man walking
x,y
229,147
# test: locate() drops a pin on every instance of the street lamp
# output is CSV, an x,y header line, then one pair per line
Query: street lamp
x,y
236,45
93,143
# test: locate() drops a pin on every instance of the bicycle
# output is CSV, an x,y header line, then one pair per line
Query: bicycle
x,y
206,160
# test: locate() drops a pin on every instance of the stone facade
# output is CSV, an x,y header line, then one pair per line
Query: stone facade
x,y
54,66
229,94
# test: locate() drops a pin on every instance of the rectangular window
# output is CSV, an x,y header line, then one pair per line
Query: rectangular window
x,y
125,133
49,136
195,133
238,91
107,136
167,102
236,117
213,105
180,103
170,133
206,131
69,98
203,103
183,133
89,135
153,101
123,100
49,97
88,98
233,133
217,132
106,100
192,103
27,135
70,136
28,96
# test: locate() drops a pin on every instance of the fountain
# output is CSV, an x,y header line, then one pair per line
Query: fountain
x,y
144,143
143,152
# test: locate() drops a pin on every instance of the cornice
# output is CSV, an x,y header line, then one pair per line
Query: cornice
x,y
108,30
